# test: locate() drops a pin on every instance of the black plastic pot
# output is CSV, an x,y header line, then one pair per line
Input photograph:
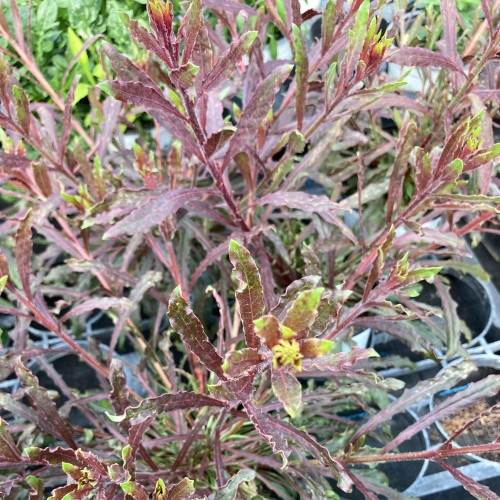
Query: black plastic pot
x,y
477,434
401,475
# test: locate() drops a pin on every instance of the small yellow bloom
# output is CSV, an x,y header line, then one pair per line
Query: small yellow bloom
x,y
287,352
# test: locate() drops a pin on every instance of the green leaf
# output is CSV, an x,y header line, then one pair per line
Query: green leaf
x,y
230,490
356,40
303,312
186,324
8,447
182,490
268,329
287,389
135,490
185,75
227,63
328,26
313,348
250,295
75,44
23,114
301,74
3,282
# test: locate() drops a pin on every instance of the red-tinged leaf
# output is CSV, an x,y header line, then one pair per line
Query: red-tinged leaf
x,y
480,491
300,201
186,324
301,74
418,56
63,492
274,427
126,70
486,4
303,312
230,6
230,490
145,38
44,405
144,284
23,251
202,57
66,123
239,362
42,178
227,63
103,303
314,348
256,111
111,111
53,456
269,432
329,309
157,106
250,295
328,26
356,41
193,22
183,490
135,437
404,147
339,361
293,291
412,396
22,104
135,490
487,387
8,447
92,461
451,318
119,392
268,329
184,75
14,161
287,389
220,469
165,403
234,391
217,140
449,39
154,211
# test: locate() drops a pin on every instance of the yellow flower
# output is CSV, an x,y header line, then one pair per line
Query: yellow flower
x,y
287,352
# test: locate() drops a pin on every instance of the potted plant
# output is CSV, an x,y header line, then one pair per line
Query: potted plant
x,y
258,279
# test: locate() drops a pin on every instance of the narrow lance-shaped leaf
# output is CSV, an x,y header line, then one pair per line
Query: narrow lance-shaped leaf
x,y
186,324
119,392
250,295
255,111
234,391
293,291
302,74
183,490
300,201
411,396
154,211
328,26
193,22
476,391
8,447
158,107
449,16
44,404
404,148
328,310
135,490
480,491
147,281
230,490
150,407
356,41
275,430
287,389
452,320
23,251
22,108
417,56
303,312
227,62
238,362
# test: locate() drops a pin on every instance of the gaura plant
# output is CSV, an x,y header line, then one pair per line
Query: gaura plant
x,y
226,400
